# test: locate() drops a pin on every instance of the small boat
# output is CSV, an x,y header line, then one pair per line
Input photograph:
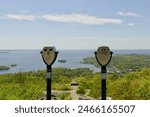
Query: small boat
x,y
62,61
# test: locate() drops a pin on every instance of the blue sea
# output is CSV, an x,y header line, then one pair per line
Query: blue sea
x,y
31,60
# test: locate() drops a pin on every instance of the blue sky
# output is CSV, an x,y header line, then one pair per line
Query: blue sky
x,y
74,24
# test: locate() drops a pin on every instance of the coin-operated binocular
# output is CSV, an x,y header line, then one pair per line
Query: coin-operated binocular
x,y
103,57
49,55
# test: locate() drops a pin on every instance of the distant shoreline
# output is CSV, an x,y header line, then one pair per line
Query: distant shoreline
x,y
30,60
74,49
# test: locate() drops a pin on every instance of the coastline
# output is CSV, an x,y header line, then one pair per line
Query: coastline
x,y
30,60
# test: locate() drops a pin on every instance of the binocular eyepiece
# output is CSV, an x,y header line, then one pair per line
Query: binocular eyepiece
x,y
49,55
103,55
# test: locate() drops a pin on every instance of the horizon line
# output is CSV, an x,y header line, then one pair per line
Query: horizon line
x,y
63,49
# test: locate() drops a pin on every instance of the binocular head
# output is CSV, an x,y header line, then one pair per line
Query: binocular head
x,y
49,55
103,55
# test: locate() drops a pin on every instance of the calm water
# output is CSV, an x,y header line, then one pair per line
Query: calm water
x,y
29,60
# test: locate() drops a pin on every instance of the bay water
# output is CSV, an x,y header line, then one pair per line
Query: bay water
x,y
31,60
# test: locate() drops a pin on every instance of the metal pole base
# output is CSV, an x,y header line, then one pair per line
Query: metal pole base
x,y
103,70
48,95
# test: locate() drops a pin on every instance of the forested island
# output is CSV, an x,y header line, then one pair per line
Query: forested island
x,y
3,68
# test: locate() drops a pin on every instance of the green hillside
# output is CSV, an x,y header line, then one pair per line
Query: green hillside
x,y
123,63
32,85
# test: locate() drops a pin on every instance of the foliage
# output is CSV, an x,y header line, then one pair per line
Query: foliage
x,y
124,63
63,87
65,96
13,65
132,62
19,86
81,89
133,86
32,85
95,90
70,73
90,60
4,68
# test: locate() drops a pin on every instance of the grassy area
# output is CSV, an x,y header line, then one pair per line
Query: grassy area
x,y
32,85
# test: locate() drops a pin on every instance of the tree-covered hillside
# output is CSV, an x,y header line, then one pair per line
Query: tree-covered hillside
x,y
32,85
124,63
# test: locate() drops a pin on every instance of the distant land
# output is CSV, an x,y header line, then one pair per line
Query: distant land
x,y
30,60
123,63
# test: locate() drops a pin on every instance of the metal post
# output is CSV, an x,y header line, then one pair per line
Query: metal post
x,y
103,71
48,77
103,57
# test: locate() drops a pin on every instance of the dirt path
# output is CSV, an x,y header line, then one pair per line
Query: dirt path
x,y
74,95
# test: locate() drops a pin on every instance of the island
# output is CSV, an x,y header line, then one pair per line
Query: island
x,y
3,52
13,65
62,61
3,68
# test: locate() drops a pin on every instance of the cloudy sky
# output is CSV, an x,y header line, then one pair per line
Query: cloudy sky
x,y
74,24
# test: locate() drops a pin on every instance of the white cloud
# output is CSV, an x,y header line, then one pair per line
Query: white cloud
x,y
66,18
130,24
82,19
21,17
121,13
